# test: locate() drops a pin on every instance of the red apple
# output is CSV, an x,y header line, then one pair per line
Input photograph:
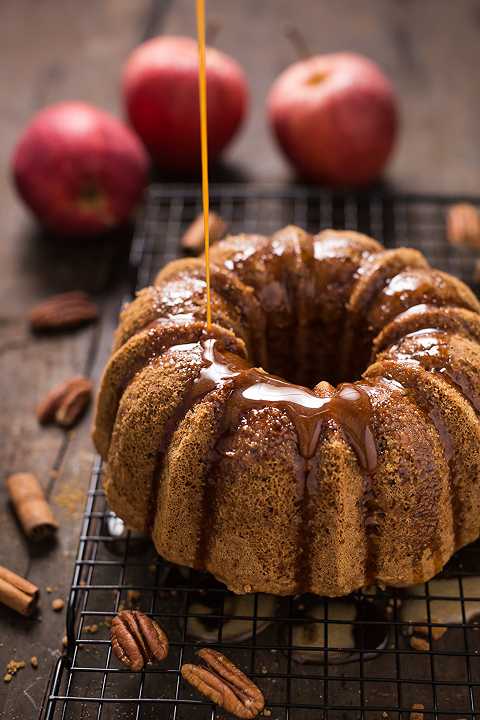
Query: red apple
x,y
335,118
160,88
79,169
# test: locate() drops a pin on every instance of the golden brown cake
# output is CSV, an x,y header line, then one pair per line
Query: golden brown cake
x,y
267,484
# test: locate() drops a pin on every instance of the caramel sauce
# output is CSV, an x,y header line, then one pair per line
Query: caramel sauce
x,y
248,388
432,352
417,285
202,91
409,281
252,388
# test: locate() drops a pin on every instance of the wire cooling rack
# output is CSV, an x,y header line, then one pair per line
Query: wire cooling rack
x,y
373,655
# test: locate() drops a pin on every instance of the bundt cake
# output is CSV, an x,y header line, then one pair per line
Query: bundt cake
x,y
274,487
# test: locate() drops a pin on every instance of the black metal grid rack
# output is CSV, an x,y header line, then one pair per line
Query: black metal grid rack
x,y
363,663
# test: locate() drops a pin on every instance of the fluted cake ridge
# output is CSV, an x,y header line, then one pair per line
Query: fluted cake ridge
x,y
320,436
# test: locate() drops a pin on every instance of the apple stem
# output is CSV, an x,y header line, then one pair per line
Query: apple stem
x,y
298,41
213,28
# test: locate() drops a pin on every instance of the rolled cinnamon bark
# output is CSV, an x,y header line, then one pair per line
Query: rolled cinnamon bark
x,y
33,511
17,593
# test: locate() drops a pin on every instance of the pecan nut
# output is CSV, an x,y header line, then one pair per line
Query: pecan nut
x,y
463,225
194,237
66,402
74,402
59,312
137,639
47,408
224,684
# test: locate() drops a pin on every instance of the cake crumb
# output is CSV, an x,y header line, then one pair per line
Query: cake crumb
x,y
420,644
58,604
71,499
437,632
92,629
416,712
13,666
65,641
34,661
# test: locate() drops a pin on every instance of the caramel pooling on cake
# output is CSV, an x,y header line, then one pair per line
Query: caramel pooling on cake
x,y
251,388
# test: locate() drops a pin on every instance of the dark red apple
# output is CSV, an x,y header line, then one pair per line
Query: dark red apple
x,y
79,169
335,118
160,88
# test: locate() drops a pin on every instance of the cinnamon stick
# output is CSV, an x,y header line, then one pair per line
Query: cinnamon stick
x,y
17,593
33,511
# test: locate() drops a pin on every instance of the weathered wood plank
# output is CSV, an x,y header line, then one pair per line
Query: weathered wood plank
x,y
50,51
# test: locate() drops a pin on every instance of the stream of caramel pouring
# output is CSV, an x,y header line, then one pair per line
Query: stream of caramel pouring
x,y
202,88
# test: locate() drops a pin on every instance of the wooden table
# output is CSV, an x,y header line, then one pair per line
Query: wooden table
x,y
58,49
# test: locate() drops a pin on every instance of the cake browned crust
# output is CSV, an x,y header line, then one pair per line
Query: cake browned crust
x,y
268,485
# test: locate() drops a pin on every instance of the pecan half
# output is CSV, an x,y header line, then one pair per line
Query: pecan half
x,y
60,312
193,239
224,684
463,225
137,639
47,408
74,402
66,402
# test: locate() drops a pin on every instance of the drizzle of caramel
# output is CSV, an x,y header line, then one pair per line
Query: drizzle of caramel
x,y
431,350
249,388
202,91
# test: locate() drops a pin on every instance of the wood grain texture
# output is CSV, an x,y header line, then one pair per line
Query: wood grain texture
x,y
57,49
50,51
